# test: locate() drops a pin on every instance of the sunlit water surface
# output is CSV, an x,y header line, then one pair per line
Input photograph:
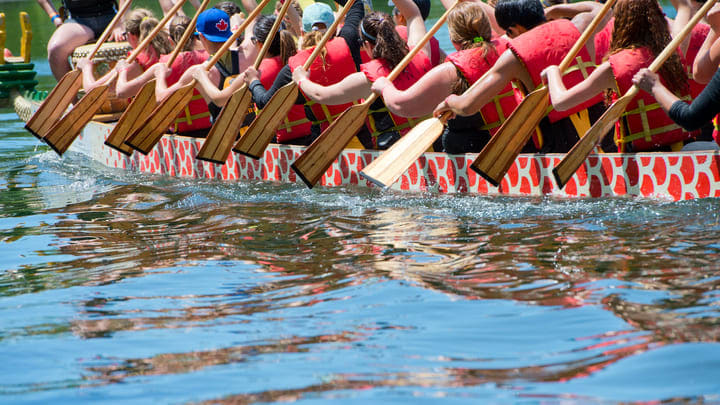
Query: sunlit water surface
x,y
117,287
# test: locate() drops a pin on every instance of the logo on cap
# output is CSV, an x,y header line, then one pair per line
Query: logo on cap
x,y
222,25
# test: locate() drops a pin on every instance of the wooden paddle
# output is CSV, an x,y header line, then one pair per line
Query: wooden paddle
x,y
317,158
392,163
144,101
65,91
499,154
263,128
145,138
224,131
579,153
64,132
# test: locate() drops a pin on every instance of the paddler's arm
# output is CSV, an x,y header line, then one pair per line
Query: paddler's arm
x,y
420,98
507,67
130,79
51,12
584,19
347,90
161,88
89,82
259,94
351,29
690,117
708,57
685,11
210,91
415,23
564,99
118,33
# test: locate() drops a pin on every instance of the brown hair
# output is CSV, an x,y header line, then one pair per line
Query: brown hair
x,y
469,27
178,26
641,23
140,22
310,39
378,29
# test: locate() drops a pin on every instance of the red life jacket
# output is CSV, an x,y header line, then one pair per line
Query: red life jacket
x,y
377,68
648,126
602,41
697,37
547,45
434,45
472,65
196,115
296,124
337,65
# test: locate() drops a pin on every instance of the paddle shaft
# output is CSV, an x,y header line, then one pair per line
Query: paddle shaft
x,y
221,137
315,161
582,149
498,155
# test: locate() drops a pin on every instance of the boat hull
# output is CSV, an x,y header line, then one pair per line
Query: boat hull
x,y
668,176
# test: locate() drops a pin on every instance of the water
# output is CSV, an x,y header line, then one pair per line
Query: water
x,y
119,287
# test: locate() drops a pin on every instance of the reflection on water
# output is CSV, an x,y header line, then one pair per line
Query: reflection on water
x,y
119,287
349,294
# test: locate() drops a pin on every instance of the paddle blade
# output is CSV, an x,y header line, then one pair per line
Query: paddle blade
x,y
64,132
392,163
582,149
263,128
224,131
132,118
499,154
318,157
55,104
145,138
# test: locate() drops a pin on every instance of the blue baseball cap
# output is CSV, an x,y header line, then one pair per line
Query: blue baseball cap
x,y
214,24
317,13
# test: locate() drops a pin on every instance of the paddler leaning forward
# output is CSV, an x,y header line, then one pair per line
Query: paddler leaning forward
x,y
340,58
471,34
213,28
536,44
387,48
645,126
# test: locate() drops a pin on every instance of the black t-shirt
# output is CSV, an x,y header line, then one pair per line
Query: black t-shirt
x,y
702,109
89,8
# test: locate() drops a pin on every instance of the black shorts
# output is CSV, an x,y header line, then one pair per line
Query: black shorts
x,y
96,23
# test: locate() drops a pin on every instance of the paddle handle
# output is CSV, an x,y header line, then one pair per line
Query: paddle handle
x,y
565,64
145,42
189,31
250,18
271,35
671,48
328,34
109,28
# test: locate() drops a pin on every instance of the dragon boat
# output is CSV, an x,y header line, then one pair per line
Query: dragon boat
x,y
16,72
660,175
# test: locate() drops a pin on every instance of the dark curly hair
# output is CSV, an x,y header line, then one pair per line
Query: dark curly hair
x,y
641,23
